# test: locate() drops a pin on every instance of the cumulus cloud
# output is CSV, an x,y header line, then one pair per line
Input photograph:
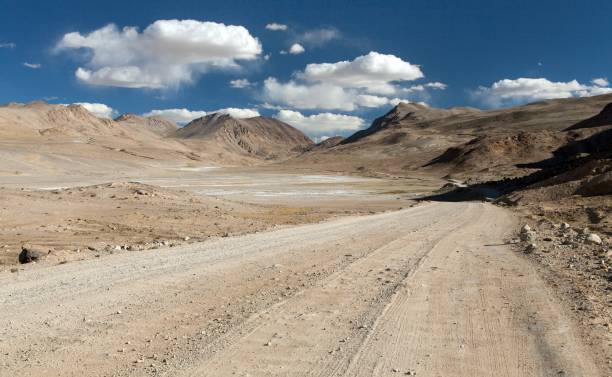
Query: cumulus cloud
x,y
317,96
238,113
276,26
602,81
184,116
180,116
374,72
319,37
165,54
515,91
320,96
240,83
7,45
32,65
98,109
320,124
296,49
370,81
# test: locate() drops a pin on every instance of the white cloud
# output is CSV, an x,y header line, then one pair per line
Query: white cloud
x,y
240,83
317,96
238,113
98,109
180,116
320,124
436,85
368,100
397,101
319,37
296,49
373,72
183,116
366,81
602,81
32,65
521,90
276,26
7,45
320,96
165,54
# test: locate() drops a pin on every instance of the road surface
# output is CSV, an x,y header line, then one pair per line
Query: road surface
x,y
431,290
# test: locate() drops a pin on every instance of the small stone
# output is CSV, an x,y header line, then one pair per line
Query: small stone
x,y
526,228
187,238
528,236
593,238
31,253
565,226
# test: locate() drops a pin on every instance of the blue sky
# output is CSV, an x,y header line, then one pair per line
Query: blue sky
x,y
485,54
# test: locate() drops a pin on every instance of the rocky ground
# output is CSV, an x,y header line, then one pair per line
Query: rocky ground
x,y
570,242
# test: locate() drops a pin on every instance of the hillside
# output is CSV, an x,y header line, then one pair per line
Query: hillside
x,y
459,141
251,138
155,124
41,139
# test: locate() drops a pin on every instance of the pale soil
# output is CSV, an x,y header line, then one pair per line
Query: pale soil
x,y
431,289
78,217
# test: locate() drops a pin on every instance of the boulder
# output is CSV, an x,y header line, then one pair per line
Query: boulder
x,y
30,253
528,236
593,239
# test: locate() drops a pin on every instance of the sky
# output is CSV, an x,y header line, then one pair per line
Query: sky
x,y
325,67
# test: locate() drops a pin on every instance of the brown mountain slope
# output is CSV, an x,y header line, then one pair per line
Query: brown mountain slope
x,y
252,138
158,125
488,143
604,118
40,138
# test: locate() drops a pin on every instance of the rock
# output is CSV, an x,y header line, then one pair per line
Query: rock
x,y
31,253
528,237
593,239
525,229
565,226
187,238
598,185
531,248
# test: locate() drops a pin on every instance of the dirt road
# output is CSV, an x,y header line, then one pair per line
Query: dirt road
x,y
430,289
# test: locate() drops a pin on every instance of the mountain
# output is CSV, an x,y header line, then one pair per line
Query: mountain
x,y
413,113
251,138
463,142
155,124
604,118
39,119
40,138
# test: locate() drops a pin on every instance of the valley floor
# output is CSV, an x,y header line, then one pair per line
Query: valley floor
x,y
431,290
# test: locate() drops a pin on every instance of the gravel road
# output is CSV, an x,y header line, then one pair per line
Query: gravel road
x,y
431,290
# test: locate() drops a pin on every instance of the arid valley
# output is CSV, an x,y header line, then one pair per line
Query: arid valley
x,y
349,220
